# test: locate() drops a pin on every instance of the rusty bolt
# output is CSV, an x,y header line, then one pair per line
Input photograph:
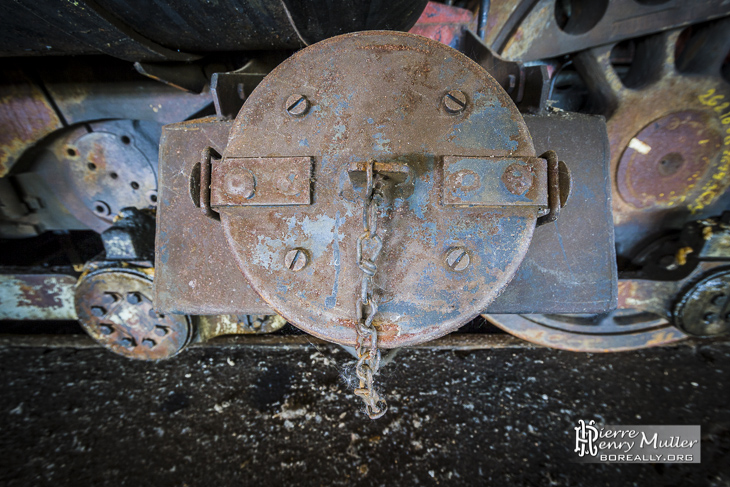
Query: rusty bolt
x,y
134,298
297,105
98,311
128,342
457,259
241,182
148,342
295,259
454,102
161,331
106,329
517,179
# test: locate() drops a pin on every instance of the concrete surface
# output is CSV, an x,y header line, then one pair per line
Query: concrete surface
x,y
263,416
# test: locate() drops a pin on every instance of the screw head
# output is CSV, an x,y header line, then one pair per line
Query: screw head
x,y
709,317
134,298
98,311
718,300
106,329
457,259
128,342
296,259
454,102
297,105
148,342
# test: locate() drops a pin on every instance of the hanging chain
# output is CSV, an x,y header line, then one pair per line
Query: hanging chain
x,y
368,355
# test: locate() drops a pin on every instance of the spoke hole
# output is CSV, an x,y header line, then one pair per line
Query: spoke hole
x,y
125,140
113,175
134,185
91,166
577,17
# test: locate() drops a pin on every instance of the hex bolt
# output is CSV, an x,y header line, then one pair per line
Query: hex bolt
x,y
718,300
148,342
454,102
98,311
295,259
709,317
457,259
128,342
134,298
106,329
161,331
297,105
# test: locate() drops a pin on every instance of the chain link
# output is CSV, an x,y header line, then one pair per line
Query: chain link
x,y
368,354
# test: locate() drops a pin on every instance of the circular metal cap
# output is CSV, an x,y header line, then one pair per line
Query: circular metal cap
x,y
378,96
704,310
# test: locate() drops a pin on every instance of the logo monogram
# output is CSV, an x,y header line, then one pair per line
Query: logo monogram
x,y
585,438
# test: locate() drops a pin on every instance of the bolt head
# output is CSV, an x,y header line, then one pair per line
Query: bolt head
x,y
297,105
134,298
454,102
240,182
98,311
719,300
148,342
128,342
106,329
296,259
457,259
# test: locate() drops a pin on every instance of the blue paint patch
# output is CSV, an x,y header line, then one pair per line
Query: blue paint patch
x,y
371,121
304,143
381,143
331,300
489,122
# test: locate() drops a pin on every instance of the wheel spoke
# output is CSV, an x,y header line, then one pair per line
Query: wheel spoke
x,y
602,81
706,50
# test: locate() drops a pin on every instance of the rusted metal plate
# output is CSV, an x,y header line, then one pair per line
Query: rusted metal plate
x,y
194,273
37,296
26,116
571,264
473,181
379,96
261,181
114,306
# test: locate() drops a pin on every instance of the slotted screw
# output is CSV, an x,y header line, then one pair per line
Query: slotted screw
x,y
297,105
295,260
457,259
454,102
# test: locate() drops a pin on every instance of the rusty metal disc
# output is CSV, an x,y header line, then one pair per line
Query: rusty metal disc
x,y
397,99
620,330
97,170
114,307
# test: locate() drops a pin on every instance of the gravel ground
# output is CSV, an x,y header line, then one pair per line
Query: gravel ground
x,y
265,416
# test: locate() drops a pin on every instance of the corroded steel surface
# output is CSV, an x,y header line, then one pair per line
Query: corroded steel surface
x,y
378,96
569,267
115,308
26,116
528,30
37,296
668,131
620,330
195,273
98,169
